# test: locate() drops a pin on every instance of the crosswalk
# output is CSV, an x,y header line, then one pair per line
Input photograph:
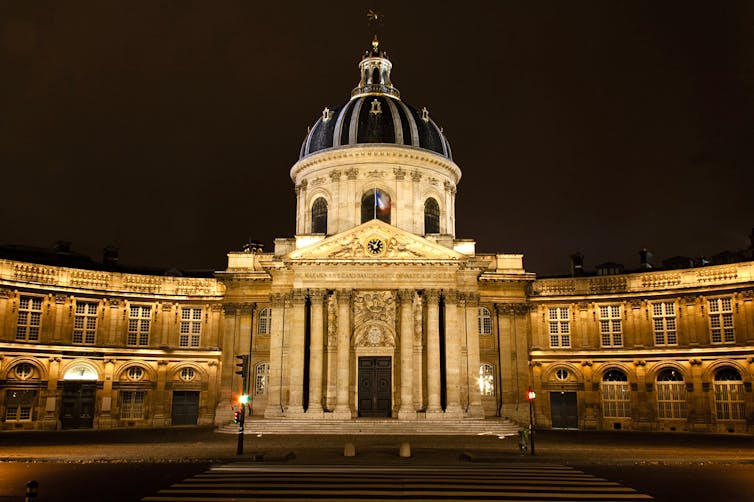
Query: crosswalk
x,y
509,482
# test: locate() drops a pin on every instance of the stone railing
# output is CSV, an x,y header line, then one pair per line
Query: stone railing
x,y
736,273
99,282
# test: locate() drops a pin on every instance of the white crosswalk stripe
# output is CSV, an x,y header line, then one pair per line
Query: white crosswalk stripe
x,y
510,482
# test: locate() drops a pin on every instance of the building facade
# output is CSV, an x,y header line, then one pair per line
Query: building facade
x,y
376,309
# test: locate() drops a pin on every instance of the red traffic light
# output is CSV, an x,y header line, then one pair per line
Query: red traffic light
x,y
236,417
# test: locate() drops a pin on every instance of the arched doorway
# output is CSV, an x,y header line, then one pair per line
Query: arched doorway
x,y
79,397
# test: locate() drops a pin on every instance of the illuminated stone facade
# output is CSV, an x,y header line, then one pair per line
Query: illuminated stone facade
x,y
376,309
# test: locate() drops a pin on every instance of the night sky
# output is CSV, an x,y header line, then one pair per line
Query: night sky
x,y
168,128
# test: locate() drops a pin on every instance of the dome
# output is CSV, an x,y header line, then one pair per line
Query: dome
x,y
375,114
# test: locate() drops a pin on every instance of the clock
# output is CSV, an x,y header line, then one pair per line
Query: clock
x,y
375,246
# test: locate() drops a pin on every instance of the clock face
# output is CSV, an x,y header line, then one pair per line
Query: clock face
x,y
375,246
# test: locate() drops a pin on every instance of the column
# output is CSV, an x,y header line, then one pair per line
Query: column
x,y
407,410
317,296
50,418
342,408
274,408
104,418
161,417
472,343
296,357
452,356
433,354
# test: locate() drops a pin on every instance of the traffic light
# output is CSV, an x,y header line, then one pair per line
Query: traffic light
x,y
243,399
531,395
236,416
242,366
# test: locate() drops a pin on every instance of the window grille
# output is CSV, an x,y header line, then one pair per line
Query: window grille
x,y
559,327
132,404
616,395
29,318
139,322
671,394
484,321
264,324
85,323
664,323
721,320
611,326
730,403
191,327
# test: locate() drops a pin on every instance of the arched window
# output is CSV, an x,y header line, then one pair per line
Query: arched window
x,y
261,379
484,321
265,322
729,395
375,204
486,379
319,216
671,394
431,216
616,394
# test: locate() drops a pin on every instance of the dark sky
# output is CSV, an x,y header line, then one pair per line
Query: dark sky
x,y
168,128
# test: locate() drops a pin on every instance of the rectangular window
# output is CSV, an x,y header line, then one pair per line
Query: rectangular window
x,y
19,405
721,320
559,327
29,318
139,322
730,403
616,399
85,323
671,399
191,327
611,326
132,404
664,323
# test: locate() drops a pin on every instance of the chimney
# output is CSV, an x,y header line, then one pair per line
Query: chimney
x,y
577,264
110,256
645,258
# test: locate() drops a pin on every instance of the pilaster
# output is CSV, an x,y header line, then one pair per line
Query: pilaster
x,y
434,409
318,297
452,356
471,311
407,410
342,407
274,403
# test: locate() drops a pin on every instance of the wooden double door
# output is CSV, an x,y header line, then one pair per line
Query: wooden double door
x,y
375,386
77,409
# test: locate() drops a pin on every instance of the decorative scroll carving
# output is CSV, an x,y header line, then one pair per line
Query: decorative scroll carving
x,y
399,173
335,175
513,308
352,173
418,325
332,321
374,336
416,176
5,293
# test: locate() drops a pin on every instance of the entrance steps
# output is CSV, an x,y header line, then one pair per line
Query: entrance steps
x,y
370,426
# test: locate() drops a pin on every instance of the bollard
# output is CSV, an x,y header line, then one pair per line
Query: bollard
x,y
405,449
349,450
31,491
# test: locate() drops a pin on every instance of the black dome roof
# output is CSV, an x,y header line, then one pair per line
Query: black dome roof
x,y
375,118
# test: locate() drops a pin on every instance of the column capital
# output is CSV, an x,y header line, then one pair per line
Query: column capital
x,y
513,308
298,296
277,299
318,294
343,295
406,295
432,295
450,295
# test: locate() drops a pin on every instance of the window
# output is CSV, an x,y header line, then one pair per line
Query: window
x,y
431,216
486,379
29,318
261,379
559,327
191,327
729,395
319,216
664,324
139,320
85,323
265,321
562,374
375,204
721,320
23,371
671,394
187,374
616,395
135,373
19,405
132,404
484,320
611,328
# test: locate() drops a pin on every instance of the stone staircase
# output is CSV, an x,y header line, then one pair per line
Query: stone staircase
x,y
370,426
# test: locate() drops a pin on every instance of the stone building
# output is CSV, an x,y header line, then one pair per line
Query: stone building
x,y
375,308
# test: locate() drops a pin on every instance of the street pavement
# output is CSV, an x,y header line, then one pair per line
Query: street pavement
x,y
131,464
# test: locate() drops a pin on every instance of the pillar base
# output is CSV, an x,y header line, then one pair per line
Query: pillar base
x,y
437,414
342,413
454,411
315,413
273,412
476,411
406,414
294,411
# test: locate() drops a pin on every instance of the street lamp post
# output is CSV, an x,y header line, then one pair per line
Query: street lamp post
x,y
243,371
531,395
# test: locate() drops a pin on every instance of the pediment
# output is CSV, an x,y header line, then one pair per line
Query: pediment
x,y
375,240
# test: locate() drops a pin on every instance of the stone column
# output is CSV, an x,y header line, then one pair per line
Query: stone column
x,y
161,417
472,343
274,407
105,419
452,356
342,408
407,410
318,296
434,409
50,418
296,357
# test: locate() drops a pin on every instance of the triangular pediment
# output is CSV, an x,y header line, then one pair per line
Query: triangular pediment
x,y
375,240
